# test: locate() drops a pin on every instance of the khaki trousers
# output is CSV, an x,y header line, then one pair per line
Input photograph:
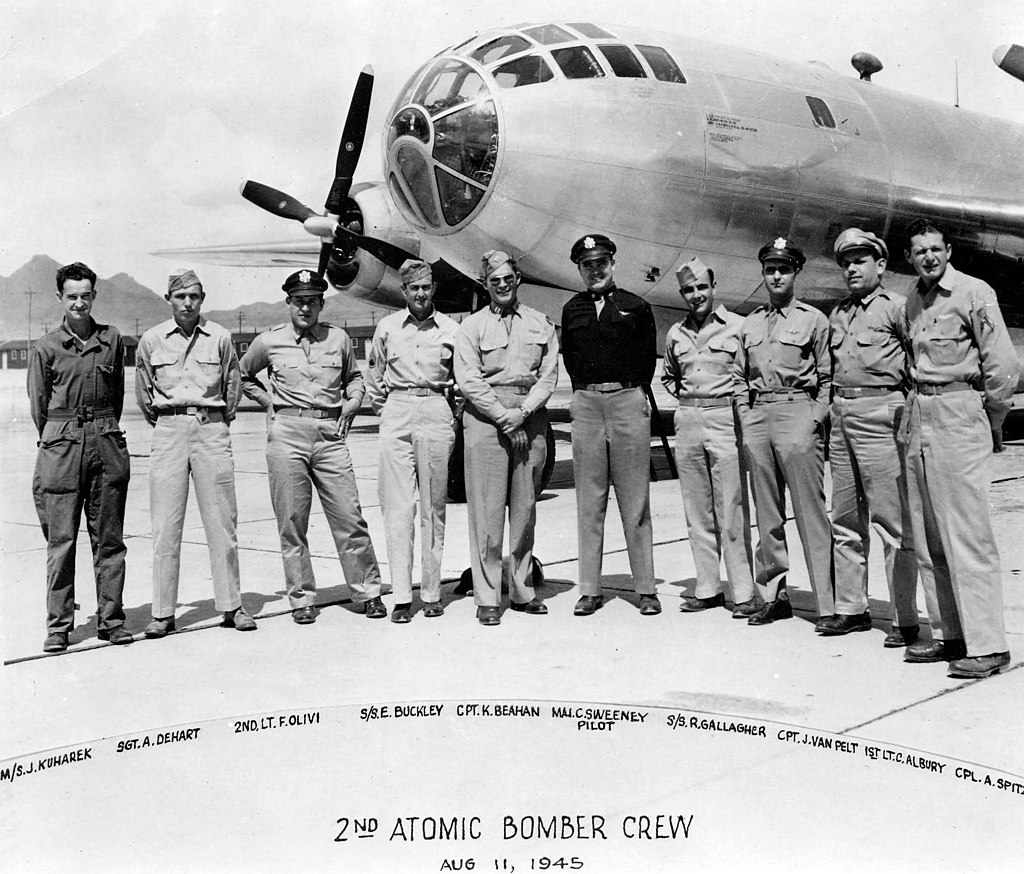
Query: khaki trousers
x,y
498,477
611,445
303,453
949,457
713,481
184,447
785,450
869,490
416,438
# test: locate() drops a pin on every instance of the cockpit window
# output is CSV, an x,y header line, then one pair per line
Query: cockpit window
x,y
458,197
623,62
413,167
577,62
467,141
822,114
412,123
528,70
549,34
405,95
448,84
499,48
592,30
665,69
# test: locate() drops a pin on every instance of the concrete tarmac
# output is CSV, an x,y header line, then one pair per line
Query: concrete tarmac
x,y
787,749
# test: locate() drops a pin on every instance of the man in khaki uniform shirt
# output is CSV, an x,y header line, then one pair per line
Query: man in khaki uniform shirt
x,y
315,391
410,371
187,386
698,371
783,375
964,371
869,482
506,364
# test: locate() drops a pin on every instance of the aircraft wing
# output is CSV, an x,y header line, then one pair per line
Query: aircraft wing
x,y
301,253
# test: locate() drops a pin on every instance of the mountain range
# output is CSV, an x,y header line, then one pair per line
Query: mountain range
x,y
27,305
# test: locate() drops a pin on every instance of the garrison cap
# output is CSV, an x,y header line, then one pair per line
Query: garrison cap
x,y
589,245
413,269
493,259
182,279
781,250
305,281
855,238
690,272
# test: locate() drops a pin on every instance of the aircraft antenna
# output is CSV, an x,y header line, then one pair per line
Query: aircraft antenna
x,y
956,82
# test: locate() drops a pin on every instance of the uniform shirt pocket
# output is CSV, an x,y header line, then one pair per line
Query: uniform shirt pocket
x,y
942,342
718,356
875,351
166,369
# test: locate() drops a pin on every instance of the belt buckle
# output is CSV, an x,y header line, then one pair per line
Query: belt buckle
x,y
202,415
84,414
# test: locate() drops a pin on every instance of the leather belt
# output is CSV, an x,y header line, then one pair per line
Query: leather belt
x,y
927,388
417,391
864,391
81,414
512,389
205,414
685,401
607,386
309,412
786,394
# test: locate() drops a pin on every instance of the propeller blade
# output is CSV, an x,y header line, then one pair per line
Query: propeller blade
x,y
274,201
351,140
325,256
390,254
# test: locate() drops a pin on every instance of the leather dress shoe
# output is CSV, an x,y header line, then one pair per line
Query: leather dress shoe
x,y
536,607
649,605
433,609
159,627
772,611
744,609
843,624
239,620
823,622
375,609
693,604
588,605
304,615
56,642
488,615
925,651
901,635
116,635
976,667
401,614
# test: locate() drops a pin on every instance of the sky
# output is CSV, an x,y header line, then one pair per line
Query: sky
x,y
126,127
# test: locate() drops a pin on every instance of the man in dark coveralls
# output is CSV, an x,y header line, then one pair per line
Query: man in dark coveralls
x,y
609,347
76,390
